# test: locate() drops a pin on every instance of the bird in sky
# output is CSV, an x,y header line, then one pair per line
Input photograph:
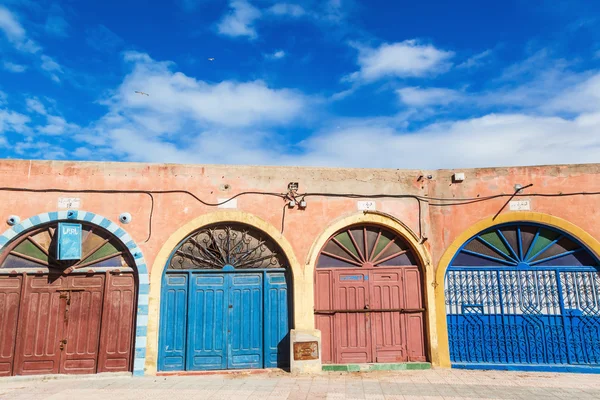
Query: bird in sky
x,y
211,59
142,93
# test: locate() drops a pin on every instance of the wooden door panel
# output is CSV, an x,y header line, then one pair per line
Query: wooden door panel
x,y
206,346
245,321
41,326
173,322
83,314
414,322
325,322
388,327
353,339
116,337
10,299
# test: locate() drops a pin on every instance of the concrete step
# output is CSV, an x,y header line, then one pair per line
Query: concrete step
x,y
376,367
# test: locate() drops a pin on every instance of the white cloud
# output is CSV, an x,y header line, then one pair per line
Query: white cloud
x,y
422,97
287,9
176,96
582,97
48,64
187,120
277,55
476,60
52,67
3,97
239,21
10,25
55,125
15,33
11,121
36,106
488,141
404,59
12,67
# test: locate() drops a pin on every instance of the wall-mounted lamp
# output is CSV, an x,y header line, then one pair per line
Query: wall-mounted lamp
x,y
302,204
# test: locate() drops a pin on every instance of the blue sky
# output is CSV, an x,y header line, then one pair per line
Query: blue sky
x,y
346,83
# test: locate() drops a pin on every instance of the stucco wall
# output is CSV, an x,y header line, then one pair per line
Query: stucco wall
x,y
177,214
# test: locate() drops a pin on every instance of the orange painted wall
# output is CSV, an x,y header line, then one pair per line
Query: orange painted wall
x,y
441,225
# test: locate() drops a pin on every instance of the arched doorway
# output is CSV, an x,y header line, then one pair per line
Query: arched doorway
x,y
523,295
68,317
224,302
369,298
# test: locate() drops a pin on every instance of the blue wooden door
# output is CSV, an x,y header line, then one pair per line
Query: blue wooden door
x,y
227,320
173,322
206,346
277,340
245,320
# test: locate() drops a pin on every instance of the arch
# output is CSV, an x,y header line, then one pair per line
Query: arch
x,y
419,250
127,241
162,258
544,219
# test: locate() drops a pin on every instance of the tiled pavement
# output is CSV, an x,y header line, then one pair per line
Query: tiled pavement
x,y
409,385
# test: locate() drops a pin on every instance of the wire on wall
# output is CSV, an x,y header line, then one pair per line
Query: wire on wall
x,y
431,201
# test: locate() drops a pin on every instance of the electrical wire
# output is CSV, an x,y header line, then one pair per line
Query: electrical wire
x,y
149,193
431,201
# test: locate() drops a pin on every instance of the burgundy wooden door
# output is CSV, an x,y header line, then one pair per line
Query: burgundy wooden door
x,y
116,340
368,298
41,326
10,298
354,336
398,335
82,319
56,318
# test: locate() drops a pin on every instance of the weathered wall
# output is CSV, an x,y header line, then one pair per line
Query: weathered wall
x,y
177,214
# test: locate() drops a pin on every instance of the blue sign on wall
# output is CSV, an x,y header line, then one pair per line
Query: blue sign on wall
x,y
69,241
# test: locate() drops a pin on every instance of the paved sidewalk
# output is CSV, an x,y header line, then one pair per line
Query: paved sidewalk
x,y
409,385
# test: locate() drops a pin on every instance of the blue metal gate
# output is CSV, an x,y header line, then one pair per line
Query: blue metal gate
x,y
523,297
224,304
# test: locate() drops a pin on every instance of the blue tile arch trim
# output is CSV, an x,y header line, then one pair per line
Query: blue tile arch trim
x,y
143,278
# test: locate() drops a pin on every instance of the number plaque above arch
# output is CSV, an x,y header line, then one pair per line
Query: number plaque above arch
x,y
227,246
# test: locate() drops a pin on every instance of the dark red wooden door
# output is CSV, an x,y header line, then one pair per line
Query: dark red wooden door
x,y
61,319
82,319
354,338
10,298
398,335
368,298
116,340
41,326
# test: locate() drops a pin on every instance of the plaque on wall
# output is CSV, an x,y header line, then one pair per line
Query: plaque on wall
x,y
306,351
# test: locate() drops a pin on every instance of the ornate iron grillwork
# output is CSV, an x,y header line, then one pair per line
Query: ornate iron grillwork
x,y
366,246
37,249
523,294
227,247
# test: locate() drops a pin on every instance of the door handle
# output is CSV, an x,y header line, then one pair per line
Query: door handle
x,y
62,344
231,306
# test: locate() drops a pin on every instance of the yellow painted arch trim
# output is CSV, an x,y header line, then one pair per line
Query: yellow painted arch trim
x,y
163,255
585,238
387,221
